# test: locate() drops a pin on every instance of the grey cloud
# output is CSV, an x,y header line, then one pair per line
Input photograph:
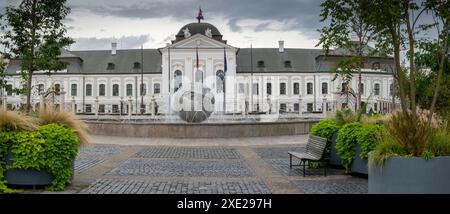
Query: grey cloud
x,y
124,42
304,14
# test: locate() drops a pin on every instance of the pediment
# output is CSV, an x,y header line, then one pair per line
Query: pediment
x,y
199,41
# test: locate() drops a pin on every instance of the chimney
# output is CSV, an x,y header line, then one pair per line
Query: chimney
x,y
113,48
281,46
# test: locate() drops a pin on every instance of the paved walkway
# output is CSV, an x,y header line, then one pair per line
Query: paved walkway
x,y
190,166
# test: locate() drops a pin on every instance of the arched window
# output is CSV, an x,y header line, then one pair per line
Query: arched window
x,y
101,90
377,89
73,89
296,88
88,90
343,87
375,65
40,88
110,66
129,88
362,88
57,89
283,88
115,91
261,64
309,88
287,64
199,76
143,89
9,90
178,79
136,65
156,88
220,80
324,88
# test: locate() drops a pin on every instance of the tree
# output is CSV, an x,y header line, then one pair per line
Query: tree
x,y
35,34
346,19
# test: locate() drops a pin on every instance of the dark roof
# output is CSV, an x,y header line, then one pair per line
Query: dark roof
x,y
302,60
199,28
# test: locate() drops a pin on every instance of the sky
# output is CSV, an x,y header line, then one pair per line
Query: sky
x,y
93,24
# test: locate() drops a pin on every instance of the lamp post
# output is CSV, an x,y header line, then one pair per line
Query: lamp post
x,y
96,106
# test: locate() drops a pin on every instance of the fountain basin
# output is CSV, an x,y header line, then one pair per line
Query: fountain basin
x,y
201,130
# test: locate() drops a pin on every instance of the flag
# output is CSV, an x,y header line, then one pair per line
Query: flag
x,y
196,60
200,14
224,61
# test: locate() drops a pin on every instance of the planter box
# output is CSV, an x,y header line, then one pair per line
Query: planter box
x,y
359,165
400,175
335,160
32,177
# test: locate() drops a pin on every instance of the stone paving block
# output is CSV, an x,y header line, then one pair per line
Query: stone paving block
x,y
83,163
169,168
189,152
125,186
350,185
282,166
100,150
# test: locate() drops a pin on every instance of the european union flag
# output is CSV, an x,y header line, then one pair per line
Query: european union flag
x,y
224,61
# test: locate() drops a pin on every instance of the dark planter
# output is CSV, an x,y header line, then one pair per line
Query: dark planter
x,y
359,165
410,175
32,177
335,160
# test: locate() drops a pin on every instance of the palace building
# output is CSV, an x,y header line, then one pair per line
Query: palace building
x,y
242,80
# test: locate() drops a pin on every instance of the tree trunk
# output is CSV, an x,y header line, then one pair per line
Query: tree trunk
x,y
412,90
28,88
31,65
398,70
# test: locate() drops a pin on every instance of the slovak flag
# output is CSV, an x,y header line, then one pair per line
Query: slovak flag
x,y
200,14
224,61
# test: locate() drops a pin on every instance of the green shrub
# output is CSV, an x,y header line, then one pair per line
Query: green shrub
x,y
345,143
346,116
386,147
367,138
52,148
325,128
438,144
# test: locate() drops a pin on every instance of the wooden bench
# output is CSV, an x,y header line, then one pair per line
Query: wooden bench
x,y
314,152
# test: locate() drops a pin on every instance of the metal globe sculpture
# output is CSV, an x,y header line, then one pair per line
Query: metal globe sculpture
x,y
190,114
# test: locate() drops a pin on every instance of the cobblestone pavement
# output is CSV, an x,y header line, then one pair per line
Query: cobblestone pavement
x,y
202,166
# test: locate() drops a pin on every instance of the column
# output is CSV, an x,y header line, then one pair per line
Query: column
x,y
96,106
130,104
62,99
73,105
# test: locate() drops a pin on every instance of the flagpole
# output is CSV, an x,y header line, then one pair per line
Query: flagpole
x,y
168,67
224,80
142,79
251,77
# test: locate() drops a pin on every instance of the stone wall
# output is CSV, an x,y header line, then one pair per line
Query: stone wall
x,y
201,130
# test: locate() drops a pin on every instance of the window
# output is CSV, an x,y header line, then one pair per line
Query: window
x,y
296,107
309,107
282,88
199,76
115,108
143,89
287,64
362,88
255,88
261,64
375,65
101,90
101,108
9,90
391,89
377,89
88,108
129,90
309,88
220,79
344,87
57,89
269,88
40,88
156,88
110,66
283,108
241,88
178,78
73,90
324,88
296,88
88,90
136,65
115,90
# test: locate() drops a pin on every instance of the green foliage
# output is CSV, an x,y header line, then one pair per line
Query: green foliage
x,y
346,143
366,135
438,144
325,128
345,116
52,148
386,147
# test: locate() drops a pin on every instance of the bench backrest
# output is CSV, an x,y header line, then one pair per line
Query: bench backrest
x,y
316,146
